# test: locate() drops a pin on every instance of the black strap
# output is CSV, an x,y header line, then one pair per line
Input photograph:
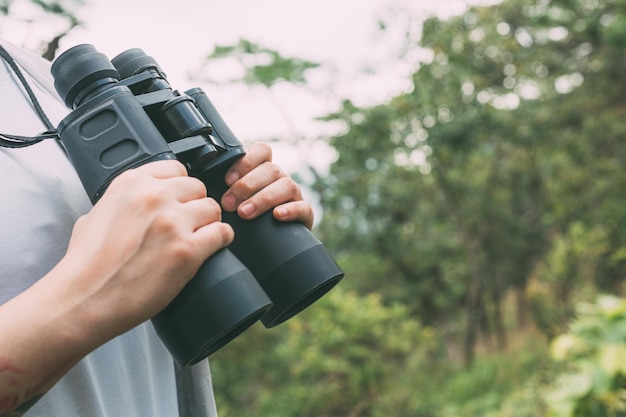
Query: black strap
x,y
17,141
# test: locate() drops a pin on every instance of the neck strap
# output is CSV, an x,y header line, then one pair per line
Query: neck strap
x,y
17,141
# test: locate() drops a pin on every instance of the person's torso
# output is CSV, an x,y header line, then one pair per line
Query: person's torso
x,y
132,375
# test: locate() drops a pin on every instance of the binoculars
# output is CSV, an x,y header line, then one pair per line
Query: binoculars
x,y
125,114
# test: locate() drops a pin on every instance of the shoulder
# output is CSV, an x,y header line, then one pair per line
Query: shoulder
x,y
14,101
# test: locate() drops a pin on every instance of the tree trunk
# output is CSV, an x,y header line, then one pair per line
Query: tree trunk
x,y
474,307
497,316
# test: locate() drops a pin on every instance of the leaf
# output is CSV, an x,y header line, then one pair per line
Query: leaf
x,y
262,65
611,306
612,358
578,385
562,345
571,387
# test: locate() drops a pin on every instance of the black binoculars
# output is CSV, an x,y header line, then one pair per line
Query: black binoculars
x,y
125,114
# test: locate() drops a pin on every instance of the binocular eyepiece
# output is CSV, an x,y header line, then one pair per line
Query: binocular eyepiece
x,y
126,114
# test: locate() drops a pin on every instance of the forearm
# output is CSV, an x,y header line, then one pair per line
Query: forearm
x,y
43,333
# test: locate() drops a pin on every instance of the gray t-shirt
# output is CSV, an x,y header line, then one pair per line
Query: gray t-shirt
x,y
133,375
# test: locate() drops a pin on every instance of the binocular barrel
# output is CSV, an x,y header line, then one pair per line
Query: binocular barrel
x,y
125,114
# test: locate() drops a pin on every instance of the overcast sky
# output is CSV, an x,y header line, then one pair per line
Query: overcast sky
x,y
359,62
341,34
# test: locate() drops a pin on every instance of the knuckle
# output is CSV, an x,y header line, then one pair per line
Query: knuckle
x,y
198,186
291,187
151,198
178,167
245,186
274,170
183,249
213,207
225,233
166,224
265,199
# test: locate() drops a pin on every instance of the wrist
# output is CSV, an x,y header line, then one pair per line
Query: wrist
x,y
54,318
41,341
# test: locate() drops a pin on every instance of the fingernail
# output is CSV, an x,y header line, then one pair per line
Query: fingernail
x,y
247,209
231,178
229,202
281,212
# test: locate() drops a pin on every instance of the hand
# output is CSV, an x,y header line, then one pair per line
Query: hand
x,y
143,241
257,185
127,259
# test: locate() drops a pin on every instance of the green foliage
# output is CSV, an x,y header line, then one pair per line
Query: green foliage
x,y
471,215
568,274
484,204
262,65
594,383
479,178
60,17
63,8
340,357
60,8
498,385
4,6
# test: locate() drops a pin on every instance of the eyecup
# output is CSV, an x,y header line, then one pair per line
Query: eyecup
x,y
77,69
134,61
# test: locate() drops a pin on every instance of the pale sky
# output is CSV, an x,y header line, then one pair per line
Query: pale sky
x,y
342,35
359,62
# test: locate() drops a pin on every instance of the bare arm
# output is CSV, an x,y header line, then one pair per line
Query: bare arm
x,y
151,219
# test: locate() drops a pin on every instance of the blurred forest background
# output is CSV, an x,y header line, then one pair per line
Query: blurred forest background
x,y
480,218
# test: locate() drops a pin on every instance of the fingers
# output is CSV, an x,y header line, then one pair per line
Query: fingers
x,y
215,236
161,179
256,155
186,189
164,169
295,211
206,231
147,235
261,189
162,194
258,185
199,213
